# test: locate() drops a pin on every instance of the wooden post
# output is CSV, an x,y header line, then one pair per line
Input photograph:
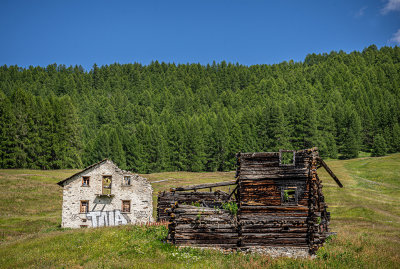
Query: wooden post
x,y
330,172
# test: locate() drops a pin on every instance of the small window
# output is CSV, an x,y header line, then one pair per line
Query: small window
x,y
127,180
85,181
84,206
286,157
107,185
126,206
289,196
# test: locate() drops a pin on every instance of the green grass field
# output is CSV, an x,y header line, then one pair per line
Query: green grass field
x,y
365,215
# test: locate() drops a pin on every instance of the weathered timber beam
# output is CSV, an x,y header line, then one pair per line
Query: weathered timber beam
x,y
206,226
330,172
193,235
275,176
267,235
293,172
229,197
273,243
295,169
282,241
275,208
198,242
281,229
204,186
245,155
201,210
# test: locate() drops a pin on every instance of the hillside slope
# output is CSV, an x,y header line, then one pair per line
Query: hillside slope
x,y
365,214
192,117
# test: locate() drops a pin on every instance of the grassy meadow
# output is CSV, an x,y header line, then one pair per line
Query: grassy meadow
x,y
365,215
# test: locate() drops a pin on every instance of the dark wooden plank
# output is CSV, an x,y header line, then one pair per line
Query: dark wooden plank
x,y
296,169
274,244
274,176
206,226
259,218
282,230
208,230
206,236
250,236
205,218
212,245
205,241
278,241
274,208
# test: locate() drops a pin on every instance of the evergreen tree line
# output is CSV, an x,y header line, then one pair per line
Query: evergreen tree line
x,y
192,117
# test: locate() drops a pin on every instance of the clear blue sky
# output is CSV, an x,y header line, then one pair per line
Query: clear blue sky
x,y
248,32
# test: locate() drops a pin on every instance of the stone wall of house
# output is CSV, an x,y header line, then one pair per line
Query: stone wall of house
x,y
106,210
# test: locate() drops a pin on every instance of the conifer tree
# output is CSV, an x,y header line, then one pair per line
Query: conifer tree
x,y
7,133
350,133
195,145
396,137
379,147
132,151
66,143
220,142
44,120
279,129
22,107
101,146
325,138
117,154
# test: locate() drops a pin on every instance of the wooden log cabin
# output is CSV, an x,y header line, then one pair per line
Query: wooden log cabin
x,y
280,204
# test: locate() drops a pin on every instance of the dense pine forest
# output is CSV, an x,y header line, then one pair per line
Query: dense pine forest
x,y
192,117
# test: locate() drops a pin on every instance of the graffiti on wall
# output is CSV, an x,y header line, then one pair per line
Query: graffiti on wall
x,y
140,214
106,218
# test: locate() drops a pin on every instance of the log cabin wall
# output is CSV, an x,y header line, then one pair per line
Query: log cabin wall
x,y
202,227
280,204
167,199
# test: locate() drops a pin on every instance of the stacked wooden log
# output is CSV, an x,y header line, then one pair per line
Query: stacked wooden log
x,y
273,227
319,217
166,199
202,227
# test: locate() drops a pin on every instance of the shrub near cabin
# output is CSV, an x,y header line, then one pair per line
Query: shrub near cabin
x,y
104,195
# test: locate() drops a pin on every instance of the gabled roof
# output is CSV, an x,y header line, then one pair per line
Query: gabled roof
x,y
61,183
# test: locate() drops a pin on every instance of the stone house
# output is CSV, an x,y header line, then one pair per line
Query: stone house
x,y
105,195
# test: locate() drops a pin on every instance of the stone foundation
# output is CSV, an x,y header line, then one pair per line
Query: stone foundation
x,y
275,252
